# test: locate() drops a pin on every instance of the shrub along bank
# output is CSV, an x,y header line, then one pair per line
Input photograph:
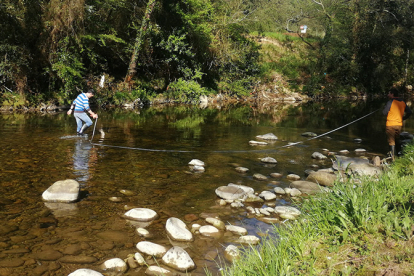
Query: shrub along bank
x,y
360,228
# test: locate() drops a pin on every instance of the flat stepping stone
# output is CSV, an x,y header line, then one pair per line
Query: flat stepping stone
x,y
238,230
196,162
242,169
85,272
268,136
151,249
209,231
62,191
141,214
177,230
230,192
257,143
287,212
177,258
266,195
269,160
248,239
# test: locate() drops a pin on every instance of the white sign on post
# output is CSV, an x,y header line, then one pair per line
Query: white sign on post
x,y
303,29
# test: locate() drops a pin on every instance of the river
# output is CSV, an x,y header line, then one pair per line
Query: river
x,y
147,151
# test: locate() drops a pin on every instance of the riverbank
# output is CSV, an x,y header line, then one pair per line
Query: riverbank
x,y
262,97
361,228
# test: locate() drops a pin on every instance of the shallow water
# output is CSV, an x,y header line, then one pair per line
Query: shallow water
x,y
147,152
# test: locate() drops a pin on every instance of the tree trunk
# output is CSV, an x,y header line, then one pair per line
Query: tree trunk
x,y
139,41
406,66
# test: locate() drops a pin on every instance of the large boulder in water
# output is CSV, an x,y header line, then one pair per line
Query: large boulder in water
x,y
177,230
358,166
62,191
365,169
178,259
306,187
341,162
322,178
230,192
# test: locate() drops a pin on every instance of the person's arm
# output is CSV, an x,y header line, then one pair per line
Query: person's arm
x,y
72,107
387,108
407,112
94,115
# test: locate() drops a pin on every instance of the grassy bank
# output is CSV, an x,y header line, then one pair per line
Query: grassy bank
x,y
360,228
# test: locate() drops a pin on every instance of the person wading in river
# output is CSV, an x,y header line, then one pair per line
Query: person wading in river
x,y
80,106
397,111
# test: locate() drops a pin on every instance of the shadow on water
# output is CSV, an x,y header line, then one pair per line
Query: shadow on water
x,y
38,150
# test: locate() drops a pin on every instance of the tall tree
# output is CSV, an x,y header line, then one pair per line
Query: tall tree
x,y
139,40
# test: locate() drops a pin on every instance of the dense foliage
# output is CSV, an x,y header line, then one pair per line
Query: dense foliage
x,y
187,48
365,45
49,49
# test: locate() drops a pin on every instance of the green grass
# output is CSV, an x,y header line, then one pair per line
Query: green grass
x,y
360,228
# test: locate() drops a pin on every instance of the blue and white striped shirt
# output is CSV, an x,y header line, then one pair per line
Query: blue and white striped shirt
x,y
81,103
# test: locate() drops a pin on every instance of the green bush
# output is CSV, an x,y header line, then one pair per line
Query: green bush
x,y
186,90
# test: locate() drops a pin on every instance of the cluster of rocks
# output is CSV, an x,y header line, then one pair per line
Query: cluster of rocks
x,y
343,167
174,256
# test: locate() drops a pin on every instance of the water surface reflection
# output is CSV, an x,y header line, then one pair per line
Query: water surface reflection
x,y
34,156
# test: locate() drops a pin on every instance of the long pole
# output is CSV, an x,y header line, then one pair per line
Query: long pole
x,y
93,133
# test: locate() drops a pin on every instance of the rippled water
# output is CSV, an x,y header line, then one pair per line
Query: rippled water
x,y
147,152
